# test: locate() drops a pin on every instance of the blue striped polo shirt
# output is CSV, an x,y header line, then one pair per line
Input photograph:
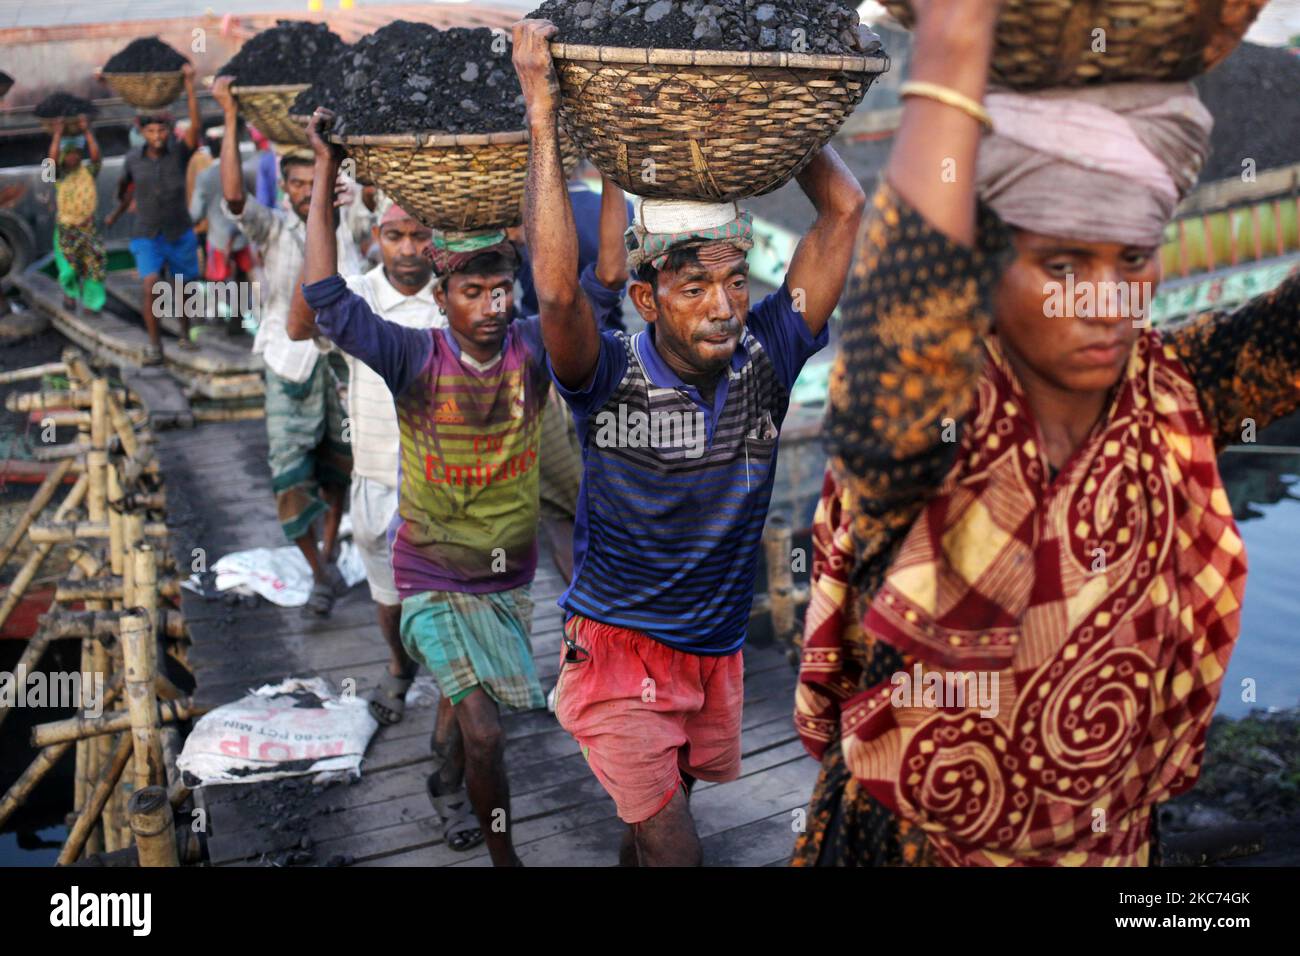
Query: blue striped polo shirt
x,y
675,491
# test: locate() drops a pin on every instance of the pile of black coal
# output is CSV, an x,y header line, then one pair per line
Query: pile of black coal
x,y
791,26
66,105
1254,96
145,55
292,51
414,78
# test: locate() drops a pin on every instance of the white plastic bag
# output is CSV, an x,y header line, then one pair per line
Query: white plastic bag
x,y
290,729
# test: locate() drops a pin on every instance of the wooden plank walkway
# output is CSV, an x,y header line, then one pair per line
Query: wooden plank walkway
x,y
219,499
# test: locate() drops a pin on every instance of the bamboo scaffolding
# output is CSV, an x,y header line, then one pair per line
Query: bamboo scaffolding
x,y
154,829
96,804
121,627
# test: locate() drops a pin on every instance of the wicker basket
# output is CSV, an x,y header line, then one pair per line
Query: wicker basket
x,y
1044,43
267,108
705,125
146,91
460,182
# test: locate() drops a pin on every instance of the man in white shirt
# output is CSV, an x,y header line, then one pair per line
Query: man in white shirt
x,y
310,457
400,290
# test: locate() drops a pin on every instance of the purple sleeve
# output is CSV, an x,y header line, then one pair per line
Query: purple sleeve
x,y
785,335
605,302
267,174
396,353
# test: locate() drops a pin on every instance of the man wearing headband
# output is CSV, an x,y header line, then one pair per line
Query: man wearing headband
x,y
310,458
469,406
163,233
400,290
679,424
78,246
1027,581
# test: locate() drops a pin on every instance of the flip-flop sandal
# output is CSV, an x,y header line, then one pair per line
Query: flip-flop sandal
x,y
388,705
461,829
321,601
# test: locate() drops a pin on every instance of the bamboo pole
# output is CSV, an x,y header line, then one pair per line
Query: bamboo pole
x,y
154,828
101,660
39,500
98,624
65,532
141,700
31,656
33,371
777,540
110,722
105,785
21,788
34,561
144,583
107,588
56,399
115,494
123,425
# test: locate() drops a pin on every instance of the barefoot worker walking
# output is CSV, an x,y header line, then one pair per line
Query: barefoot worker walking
x,y
469,404
78,246
163,234
311,461
679,425
401,290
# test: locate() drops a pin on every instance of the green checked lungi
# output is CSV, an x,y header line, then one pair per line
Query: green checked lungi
x,y
304,428
475,640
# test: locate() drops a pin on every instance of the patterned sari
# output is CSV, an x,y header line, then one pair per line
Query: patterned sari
x,y
1102,603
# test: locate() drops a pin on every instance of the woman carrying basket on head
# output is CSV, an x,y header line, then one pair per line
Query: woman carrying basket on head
x,y
1023,495
78,246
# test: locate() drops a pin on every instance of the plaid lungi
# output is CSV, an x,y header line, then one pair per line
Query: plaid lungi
x,y
304,428
475,640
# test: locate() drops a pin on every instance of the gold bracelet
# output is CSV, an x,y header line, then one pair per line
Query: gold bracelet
x,y
948,97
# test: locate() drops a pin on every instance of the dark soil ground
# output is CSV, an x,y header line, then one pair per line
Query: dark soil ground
x,y
413,78
293,51
64,104
1255,97
1251,775
800,26
145,55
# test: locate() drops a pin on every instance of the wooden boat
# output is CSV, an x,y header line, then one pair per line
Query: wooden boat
x,y
222,369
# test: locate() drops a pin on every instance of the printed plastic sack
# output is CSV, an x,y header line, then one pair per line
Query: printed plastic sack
x,y
290,729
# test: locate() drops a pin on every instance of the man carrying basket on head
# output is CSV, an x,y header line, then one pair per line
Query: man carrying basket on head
x,y
469,403
668,533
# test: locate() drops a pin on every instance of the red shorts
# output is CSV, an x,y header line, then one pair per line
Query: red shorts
x,y
645,713
219,263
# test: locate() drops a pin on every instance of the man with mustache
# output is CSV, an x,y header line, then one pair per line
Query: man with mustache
x,y
310,457
668,531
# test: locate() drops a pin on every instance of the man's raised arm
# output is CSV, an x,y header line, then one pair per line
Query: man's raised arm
x,y
232,176
821,260
568,324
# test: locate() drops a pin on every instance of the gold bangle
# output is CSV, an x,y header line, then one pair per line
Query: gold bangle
x,y
948,97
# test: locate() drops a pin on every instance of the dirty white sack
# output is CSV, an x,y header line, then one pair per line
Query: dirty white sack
x,y
281,575
297,727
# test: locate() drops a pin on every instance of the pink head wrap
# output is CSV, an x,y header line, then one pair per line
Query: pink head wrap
x,y
1099,164
394,213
